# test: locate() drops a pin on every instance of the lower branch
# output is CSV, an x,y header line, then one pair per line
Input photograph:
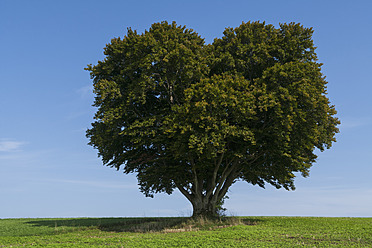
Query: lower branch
x,y
226,174
229,181
184,192
213,182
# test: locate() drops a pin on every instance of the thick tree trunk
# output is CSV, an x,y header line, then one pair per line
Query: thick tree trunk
x,y
204,208
206,192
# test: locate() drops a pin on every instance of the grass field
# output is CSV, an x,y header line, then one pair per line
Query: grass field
x,y
182,232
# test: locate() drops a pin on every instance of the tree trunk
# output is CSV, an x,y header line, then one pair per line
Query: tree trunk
x,y
207,196
204,208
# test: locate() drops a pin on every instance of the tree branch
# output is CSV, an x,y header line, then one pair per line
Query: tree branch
x,y
229,181
214,177
231,176
184,192
197,190
226,173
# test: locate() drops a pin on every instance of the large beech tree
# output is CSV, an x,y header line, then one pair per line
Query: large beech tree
x,y
196,117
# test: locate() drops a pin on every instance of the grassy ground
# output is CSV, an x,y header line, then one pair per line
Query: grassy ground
x,y
182,232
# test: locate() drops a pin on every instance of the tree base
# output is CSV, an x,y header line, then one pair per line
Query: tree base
x,y
205,214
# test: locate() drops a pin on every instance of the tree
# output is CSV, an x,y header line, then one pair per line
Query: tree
x,y
185,115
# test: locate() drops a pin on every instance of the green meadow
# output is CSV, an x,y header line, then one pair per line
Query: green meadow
x,y
184,232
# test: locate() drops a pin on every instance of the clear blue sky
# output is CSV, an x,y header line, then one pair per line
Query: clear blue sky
x,y
48,170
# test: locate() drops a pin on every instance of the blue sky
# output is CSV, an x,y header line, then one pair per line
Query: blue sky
x,y
48,170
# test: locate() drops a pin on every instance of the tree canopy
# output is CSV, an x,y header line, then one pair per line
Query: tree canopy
x,y
196,117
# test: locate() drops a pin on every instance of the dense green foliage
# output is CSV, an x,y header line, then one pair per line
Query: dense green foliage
x,y
260,232
181,114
